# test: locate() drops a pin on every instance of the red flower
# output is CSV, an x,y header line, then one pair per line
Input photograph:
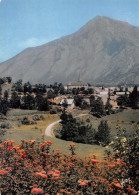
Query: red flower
x,y
132,190
117,185
83,182
12,142
111,166
32,141
3,172
48,142
40,174
37,191
9,168
94,156
9,148
94,161
23,155
72,144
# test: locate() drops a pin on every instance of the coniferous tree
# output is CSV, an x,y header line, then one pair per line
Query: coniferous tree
x,y
6,95
98,107
15,100
103,134
108,106
4,107
134,98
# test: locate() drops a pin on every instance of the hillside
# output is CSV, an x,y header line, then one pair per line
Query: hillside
x,y
104,50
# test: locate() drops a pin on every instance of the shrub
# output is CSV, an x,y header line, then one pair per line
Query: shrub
x,y
25,121
36,118
126,148
53,111
5,125
88,120
32,168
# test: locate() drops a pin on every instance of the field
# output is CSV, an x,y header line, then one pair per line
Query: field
x,y
127,119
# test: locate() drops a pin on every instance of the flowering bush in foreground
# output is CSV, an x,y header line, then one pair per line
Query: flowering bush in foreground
x,y
31,168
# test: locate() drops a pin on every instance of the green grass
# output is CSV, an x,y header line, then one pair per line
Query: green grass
x,y
122,119
19,131
28,132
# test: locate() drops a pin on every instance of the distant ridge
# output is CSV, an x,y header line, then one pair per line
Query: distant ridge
x,y
104,50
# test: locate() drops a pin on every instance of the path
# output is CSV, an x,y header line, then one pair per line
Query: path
x,y
48,130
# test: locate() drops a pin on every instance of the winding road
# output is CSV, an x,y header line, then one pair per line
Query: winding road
x,y
49,131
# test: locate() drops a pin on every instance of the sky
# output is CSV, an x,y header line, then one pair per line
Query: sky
x,y
30,23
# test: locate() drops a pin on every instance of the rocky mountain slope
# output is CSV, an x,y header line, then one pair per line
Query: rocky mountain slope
x,y
104,50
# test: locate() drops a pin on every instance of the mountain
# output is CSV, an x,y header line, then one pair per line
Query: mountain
x,y
103,50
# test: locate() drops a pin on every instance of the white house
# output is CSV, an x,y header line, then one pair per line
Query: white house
x,y
70,103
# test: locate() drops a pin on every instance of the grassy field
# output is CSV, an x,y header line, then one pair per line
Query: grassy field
x,y
127,119
19,131
35,131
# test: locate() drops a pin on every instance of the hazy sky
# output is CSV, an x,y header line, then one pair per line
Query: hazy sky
x,y
27,23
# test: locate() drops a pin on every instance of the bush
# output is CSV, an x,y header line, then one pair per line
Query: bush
x,y
25,121
36,118
88,120
42,117
53,111
5,125
38,170
126,148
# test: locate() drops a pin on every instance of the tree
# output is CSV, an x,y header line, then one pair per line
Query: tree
x,y
15,100
18,86
65,103
92,99
27,87
108,106
134,98
0,90
6,95
98,107
28,102
90,90
41,103
9,79
103,134
50,94
123,100
78,100
75,130
3,106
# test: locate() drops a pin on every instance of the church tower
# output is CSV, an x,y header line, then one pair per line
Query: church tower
x,y
79,78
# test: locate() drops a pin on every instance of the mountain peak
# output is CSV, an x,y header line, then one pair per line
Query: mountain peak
x,y
105,50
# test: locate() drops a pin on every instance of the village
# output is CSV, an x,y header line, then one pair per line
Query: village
x,y
75,95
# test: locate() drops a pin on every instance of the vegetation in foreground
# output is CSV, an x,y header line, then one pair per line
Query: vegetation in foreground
x,y
32,168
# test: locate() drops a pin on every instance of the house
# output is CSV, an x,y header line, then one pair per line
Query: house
x,y
119,93
70,103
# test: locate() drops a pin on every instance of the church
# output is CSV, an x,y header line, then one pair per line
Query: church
x,y
78,84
